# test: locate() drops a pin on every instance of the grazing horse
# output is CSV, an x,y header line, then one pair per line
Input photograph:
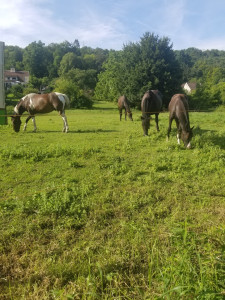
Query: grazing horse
x,y
178,110
40,103
151,104
123,103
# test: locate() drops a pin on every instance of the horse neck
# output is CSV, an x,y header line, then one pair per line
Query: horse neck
x,y
184,122
20,108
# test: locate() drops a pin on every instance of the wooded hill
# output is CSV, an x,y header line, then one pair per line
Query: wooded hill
x,y
85,73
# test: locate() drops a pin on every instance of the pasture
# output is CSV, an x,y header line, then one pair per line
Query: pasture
x,y
102,212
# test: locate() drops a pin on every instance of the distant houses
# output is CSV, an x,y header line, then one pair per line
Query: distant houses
x,y
189,87
13,77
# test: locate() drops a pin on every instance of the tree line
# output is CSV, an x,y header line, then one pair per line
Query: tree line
x,y
86,74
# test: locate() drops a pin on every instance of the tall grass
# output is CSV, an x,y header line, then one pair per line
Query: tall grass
x,y
105,213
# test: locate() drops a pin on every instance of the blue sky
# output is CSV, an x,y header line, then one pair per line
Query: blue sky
x,y
109,24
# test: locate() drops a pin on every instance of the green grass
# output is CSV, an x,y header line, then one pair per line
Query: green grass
x,y
104,213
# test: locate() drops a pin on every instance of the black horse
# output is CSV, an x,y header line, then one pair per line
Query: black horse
x,y
123,103
178,110
151,104
40,103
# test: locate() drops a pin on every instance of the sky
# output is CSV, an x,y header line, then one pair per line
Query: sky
x,y
111,24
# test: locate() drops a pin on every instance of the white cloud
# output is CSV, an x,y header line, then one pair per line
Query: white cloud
x,y
25,21
111,23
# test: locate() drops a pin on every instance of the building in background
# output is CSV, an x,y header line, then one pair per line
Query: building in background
x,y
12,77
189,87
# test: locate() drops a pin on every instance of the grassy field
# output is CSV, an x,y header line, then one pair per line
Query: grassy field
x,y
104,213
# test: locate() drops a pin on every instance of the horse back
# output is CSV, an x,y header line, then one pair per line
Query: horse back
x,y
41,103
122,102
178,105
151,102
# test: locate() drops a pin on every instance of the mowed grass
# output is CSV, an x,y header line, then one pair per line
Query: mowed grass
x,y
104,213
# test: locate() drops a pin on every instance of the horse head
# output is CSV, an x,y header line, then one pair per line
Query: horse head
x,y
186,137
130,116
145,124
16,122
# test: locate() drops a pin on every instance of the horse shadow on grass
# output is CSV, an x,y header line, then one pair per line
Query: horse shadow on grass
x,y
75,131
210,136
92,131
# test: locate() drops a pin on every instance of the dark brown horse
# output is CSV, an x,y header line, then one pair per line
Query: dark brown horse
x,y
123,103
178,109
151,104
40,103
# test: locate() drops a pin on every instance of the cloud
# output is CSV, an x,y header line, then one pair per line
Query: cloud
x,y
25,21
111,23
22,21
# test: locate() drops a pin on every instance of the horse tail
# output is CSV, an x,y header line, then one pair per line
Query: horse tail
x,y
126,104
145,106
67,100
65,97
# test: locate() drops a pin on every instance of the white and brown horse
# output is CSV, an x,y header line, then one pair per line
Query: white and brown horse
x,y
40,103
123,103
178,111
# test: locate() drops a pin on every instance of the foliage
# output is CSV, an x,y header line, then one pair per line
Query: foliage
x,y
13,57
105,213
16,90
105,75
76,96
29,90
35,59
149,64
85,79
68,62
110,81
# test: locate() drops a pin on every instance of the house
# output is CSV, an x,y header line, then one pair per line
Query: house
x,y
189,87
13,77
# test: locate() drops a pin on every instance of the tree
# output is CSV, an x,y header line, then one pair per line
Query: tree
x,y
13,57
36,59
77,97
110,80
68,62
85,79
149,64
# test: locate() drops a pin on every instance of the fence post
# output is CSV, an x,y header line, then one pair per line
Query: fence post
x,y
3,118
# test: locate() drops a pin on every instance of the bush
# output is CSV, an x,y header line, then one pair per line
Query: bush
x,y
29,90
82,102
76,95
17,91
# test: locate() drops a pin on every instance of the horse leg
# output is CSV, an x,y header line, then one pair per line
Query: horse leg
x,y
120,111
65,127
178,131
145,124
25,125
157,121
34,123
125,114
169,128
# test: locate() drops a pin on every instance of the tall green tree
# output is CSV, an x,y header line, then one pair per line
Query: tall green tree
x,y
68,62
110,81
148,64
36,59
13,56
